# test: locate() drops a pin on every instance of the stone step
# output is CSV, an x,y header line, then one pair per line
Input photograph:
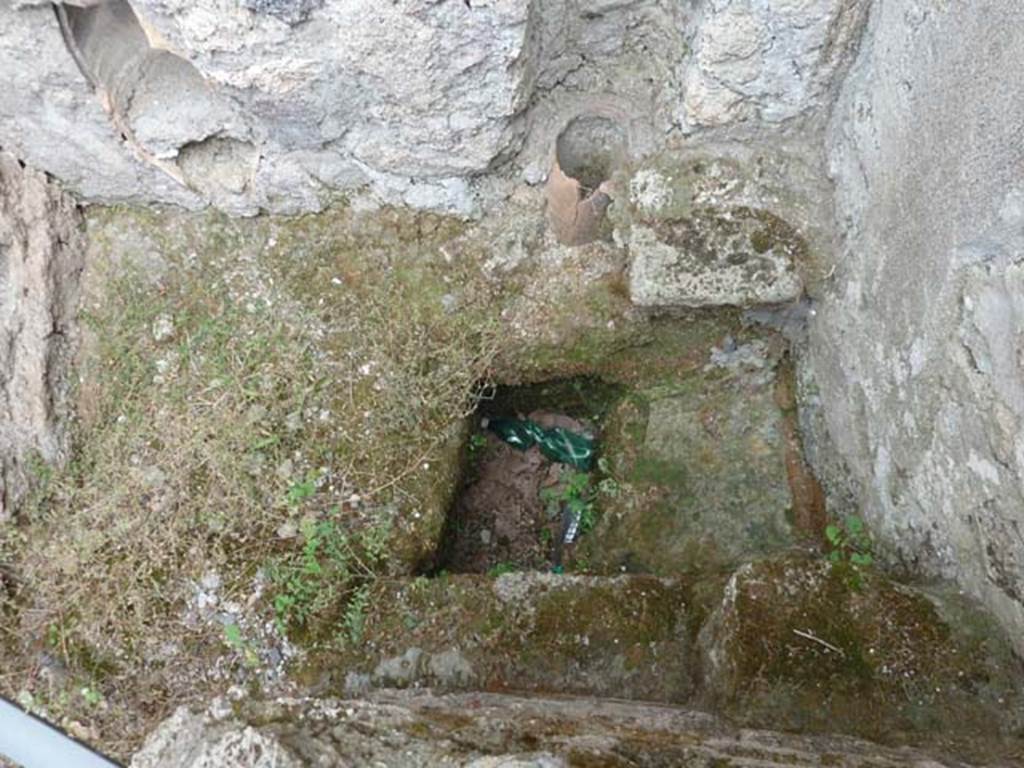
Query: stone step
x,y
626,636
790,642
417,729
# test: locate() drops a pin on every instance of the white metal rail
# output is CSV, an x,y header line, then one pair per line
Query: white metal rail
x,y
34,743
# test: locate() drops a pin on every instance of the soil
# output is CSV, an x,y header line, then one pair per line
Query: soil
x,y
500,521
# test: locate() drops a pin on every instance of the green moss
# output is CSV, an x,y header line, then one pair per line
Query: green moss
x,y
554,635
829,614
776,234
625,431
806,648
699,456
761,241
739,235
639,612
594,334
657,471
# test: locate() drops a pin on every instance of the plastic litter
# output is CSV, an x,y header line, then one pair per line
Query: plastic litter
x,y
557,443
571,524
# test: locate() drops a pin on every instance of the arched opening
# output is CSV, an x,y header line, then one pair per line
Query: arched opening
x,y
588,151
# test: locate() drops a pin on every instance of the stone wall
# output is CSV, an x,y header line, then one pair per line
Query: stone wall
x,y
917,344
41,252
254,105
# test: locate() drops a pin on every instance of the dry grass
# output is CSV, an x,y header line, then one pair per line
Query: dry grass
x,y
242,381
244,371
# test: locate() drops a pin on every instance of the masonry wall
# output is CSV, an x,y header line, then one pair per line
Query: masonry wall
x,y
918,342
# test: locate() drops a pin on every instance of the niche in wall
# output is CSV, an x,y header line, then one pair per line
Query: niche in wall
x,y
588,151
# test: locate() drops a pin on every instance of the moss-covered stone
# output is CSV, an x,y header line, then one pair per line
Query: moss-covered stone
x,y
626,637
738,257
723,225
699,461
813,646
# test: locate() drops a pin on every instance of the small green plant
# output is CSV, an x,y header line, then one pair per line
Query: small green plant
x,y
54,636
476,448
233,637
501,569
92,696
581,563
266,442
850,548
576,494
334,568
299,491
374,543
608,485
477,443
588,517
849,542
354,618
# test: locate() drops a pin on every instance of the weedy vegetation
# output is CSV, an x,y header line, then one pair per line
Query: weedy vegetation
x,y
263,377
501,569
849,542
849,548
577,493
332,571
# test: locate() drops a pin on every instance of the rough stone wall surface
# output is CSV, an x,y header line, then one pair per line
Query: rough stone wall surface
x,y
490,731
765,60
51,119
256,105
40,260
917,346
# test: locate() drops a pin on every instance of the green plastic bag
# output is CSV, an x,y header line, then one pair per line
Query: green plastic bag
x,y
557,443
